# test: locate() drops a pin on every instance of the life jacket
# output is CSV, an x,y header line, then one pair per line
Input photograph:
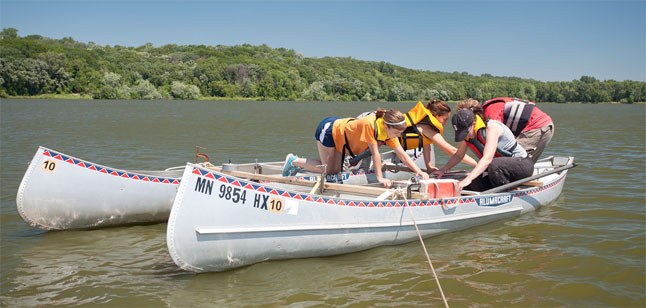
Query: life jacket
x,y
516,113
477,144
411,138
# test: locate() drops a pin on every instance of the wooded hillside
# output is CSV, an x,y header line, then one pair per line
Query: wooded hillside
x,y
33,65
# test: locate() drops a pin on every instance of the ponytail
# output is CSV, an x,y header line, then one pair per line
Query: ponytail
x,y
380,113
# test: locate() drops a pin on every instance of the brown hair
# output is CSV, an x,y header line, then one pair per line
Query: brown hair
x,y
474,106
438,108
392,116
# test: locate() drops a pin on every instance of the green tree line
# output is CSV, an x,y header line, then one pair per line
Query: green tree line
x,y
33,65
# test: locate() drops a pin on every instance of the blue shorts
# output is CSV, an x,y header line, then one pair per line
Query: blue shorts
x,y
324,132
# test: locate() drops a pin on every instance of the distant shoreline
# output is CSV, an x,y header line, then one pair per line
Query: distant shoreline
x,y
67,69
234,99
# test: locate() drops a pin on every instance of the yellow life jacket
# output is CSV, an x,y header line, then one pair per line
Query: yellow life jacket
x,y
380,130
411,137
479,124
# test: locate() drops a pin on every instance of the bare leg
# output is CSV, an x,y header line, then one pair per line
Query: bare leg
x,y
329,156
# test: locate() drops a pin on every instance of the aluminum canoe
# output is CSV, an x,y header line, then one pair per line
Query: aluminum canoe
x,y
220,222
60,192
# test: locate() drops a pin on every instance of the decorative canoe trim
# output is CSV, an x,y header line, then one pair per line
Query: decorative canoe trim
x,y
146,178
450,202
108,171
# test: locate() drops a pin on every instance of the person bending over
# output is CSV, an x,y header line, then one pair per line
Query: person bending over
x,y
500,155
337,137
532,127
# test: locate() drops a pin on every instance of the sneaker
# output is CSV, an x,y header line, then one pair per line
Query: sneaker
x,y
289,169
296,170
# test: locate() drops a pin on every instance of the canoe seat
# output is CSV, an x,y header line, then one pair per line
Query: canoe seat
x,y
534,183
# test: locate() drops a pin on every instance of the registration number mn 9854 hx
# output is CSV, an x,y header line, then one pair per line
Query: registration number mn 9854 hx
x,y
238,195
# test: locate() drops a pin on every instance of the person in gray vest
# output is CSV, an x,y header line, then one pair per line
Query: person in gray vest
x,y
502,159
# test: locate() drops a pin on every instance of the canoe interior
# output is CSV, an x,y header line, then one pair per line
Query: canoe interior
x,y
275,169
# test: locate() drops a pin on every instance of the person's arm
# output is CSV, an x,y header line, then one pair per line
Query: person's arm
x,y
453,160
447,147
403,156
493,132
426,151
376,159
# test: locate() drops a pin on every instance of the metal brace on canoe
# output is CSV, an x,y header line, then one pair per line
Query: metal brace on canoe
x,y
198,154
319,187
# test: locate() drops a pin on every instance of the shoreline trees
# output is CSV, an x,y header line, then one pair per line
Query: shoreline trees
x,y
34,65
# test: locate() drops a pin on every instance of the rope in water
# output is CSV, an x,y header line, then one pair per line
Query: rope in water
x,y
424,246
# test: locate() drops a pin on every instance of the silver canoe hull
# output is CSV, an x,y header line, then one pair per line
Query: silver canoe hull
x,y
61,192
219,222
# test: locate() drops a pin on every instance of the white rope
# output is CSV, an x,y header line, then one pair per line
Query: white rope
x,y
424,246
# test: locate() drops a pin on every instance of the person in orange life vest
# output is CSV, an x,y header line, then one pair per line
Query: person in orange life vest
x,y
337,136
426,124
500,155
532,127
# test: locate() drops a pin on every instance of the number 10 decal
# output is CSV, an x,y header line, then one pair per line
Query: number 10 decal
x,y
276,205
49,165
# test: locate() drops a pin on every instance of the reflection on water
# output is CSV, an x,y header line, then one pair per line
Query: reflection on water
x,y
586,249
113,262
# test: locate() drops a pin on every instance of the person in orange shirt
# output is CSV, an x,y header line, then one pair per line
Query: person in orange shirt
x,y
336,137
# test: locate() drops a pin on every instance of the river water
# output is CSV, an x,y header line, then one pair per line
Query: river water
x,y
586,249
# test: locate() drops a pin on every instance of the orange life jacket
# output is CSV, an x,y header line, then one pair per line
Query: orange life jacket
x,y
411,138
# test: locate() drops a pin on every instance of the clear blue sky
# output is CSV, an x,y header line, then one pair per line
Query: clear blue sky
x,y
543,40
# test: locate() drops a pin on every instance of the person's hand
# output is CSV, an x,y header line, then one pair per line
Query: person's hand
x,y
431,169
464,183
438,173
423,175
386,182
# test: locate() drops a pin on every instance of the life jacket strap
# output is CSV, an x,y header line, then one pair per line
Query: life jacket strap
x,y
412,128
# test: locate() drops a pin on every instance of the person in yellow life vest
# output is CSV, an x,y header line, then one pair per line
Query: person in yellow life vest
x,y
425,125
336,137
503,159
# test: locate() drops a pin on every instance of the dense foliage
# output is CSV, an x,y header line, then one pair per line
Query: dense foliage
x,y
33,65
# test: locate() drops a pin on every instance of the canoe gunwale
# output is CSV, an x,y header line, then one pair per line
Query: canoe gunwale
x,y
302,196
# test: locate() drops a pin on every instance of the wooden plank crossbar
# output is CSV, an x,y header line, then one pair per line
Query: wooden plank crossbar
x,y
376,191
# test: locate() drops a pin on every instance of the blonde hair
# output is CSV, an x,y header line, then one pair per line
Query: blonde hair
x,y
474,106
466,104
392,116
